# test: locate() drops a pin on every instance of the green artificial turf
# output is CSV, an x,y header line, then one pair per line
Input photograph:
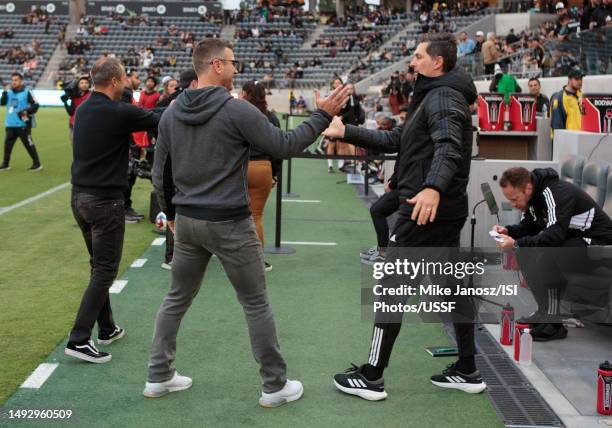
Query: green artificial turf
x,y
43,260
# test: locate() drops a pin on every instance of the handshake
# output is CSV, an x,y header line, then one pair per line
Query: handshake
x,y
333,105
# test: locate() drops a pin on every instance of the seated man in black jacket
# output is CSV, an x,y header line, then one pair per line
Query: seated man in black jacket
x,y
102,135
555,214
434,148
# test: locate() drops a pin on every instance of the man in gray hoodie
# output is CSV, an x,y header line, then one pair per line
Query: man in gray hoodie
x,y
203,150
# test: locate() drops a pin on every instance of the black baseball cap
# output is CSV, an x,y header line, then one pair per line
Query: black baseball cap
x,y
186,77
575,73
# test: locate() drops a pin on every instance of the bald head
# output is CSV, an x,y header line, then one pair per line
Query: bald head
x,y
105,69
108,77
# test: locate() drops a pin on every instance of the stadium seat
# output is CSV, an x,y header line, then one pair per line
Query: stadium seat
x,y
594,180
571,169
607,206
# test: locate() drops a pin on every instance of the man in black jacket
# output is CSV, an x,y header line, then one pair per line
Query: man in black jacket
x,y
555,214
434,148
99,172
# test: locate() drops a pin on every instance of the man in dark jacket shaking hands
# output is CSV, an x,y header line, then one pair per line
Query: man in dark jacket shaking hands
x,y
434,148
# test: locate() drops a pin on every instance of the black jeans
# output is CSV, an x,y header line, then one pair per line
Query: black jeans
x,y
407,234
102,222
386,205
25,135
127,193
489,68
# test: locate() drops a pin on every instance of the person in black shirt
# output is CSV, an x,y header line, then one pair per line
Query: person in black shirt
x,y
479,41
542,102
99,173
511,38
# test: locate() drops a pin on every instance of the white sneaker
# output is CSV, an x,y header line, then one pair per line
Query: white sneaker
x,y
167,266
292,391
159,389
374,258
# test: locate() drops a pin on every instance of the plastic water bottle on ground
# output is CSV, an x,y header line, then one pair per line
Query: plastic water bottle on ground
x,y
526,347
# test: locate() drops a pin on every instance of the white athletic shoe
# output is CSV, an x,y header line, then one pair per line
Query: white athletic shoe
x,y
292,391
117,334
159,389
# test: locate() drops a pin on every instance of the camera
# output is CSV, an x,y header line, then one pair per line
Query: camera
x,y
71,89
140,168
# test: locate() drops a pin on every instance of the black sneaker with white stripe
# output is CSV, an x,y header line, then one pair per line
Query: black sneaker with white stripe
x,y
453,379
87,352
107,339
353,382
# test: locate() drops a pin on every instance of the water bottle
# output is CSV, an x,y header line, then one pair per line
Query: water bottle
x,y
507,123
526,346
604,389
519,328
507,325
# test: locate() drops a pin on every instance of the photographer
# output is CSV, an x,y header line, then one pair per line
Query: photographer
x,y
140,141
20,109
75,94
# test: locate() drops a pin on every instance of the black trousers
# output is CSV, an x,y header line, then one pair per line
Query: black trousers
x,y
545,270
25,135
386,205
127,193
489,68
102,222
387,327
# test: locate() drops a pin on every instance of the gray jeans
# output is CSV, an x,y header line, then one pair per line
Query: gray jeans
x,y
238,248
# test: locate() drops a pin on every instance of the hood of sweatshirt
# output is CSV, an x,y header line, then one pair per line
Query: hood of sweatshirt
x,y
455,79
541,178
198,106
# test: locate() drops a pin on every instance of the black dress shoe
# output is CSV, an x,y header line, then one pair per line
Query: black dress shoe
x,y
546,332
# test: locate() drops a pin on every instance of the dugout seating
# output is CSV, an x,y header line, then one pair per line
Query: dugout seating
x,y
589,294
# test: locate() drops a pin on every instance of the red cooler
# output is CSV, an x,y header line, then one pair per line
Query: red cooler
x,y
491,112
597,113
523,112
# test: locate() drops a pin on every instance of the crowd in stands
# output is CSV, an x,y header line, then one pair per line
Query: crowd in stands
x,y
24,56
436,17
541,51
266,14
173,39
38,16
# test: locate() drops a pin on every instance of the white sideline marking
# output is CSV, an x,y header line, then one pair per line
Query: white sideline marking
x,y
328,244
118,286
40,375
138,263
158,241
303,201
33,198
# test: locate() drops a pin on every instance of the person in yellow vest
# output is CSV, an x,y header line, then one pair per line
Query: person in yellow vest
x,y
566,105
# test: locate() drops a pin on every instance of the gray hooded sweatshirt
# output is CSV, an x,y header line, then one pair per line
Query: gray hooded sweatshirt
x,y
203,149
